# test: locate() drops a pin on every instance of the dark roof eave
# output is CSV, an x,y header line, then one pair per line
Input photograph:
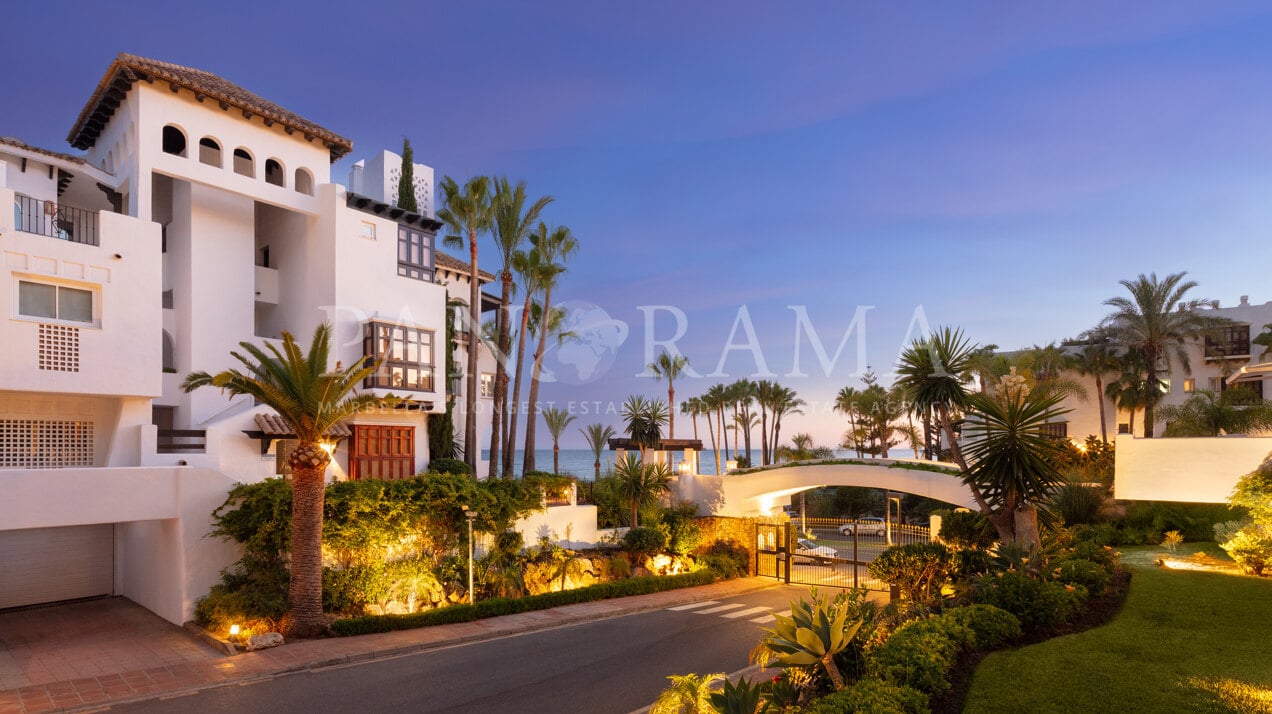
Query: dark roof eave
x,y
380,209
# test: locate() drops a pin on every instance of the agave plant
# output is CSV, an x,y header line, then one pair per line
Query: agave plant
x,y
816,630
741,698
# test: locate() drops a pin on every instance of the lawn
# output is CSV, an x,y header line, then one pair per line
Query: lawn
x,y
1185,641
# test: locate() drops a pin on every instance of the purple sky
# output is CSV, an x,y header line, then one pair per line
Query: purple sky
x,y
1000,166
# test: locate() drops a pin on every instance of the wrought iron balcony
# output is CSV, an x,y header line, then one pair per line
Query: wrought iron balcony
x,y
48,218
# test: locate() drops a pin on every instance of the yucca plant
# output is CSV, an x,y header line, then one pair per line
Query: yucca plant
x,y
816,630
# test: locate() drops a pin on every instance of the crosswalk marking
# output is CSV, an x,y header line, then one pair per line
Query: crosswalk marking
x,y
747,612
693,605
770,617
720,608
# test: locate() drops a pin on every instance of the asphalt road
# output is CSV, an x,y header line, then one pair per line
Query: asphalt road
x,y
616,665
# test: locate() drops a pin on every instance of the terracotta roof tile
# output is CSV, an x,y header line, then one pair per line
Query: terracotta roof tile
x,y
127,69
10,141
273,425
455,265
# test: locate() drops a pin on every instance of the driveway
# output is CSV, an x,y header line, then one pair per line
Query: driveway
x,y
92,639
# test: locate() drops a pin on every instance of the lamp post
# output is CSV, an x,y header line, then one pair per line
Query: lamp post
x,y
471,516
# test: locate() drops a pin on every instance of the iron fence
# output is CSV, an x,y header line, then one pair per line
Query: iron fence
x,y
55,220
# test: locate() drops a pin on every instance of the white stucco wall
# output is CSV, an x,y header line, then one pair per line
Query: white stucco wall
x,y
1197,470
567,526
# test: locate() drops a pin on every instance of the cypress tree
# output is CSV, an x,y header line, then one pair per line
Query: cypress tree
x,y
406,185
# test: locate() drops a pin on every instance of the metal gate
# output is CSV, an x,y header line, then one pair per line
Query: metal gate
x,y
830,552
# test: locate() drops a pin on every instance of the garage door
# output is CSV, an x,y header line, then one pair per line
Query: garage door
x,y
50,564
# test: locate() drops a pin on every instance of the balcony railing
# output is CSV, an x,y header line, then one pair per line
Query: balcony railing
x,y
182,441
48,218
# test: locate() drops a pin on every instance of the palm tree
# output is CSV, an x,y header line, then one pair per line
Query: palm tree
x,y
467,212
913,435
1097,360
692,407
556,420
688,694
512,221
639,484
1012,456
933,372
554,246
846,403
598,436
529,265
784,402
1234,411
668,368
765,392
708,410
717,397
1156,321
1130,390
644,419
311,400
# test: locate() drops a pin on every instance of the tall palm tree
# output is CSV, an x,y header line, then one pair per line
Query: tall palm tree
x,y
708,410
1130,390
529,265
765,391
1097,360
784,402
556,420
467,212
933,372
1157,321
718,397
554,246
846,403
644,419
742,392
668,368
1011,456
597,436
692,407
512,222
312,400
640,484
1234,411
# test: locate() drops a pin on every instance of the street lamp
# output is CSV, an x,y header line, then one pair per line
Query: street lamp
x,y
471,516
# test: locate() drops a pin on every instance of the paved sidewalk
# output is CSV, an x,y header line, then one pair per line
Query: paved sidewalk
x,y
96,692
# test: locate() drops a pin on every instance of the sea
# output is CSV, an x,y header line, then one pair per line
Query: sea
x,y
579,462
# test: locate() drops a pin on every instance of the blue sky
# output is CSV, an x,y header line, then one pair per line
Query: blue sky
x,y
1000,165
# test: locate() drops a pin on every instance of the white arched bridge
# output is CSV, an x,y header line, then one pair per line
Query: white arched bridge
x,y
759,492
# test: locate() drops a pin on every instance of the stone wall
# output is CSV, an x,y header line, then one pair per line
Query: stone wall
x,y
740,531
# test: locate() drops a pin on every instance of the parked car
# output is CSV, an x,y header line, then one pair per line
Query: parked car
x,y
865,526
809,550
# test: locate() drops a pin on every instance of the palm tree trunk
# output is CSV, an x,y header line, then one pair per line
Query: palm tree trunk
x,y
1150,397
711,432
724,437
597,466
536,368
1099,391
556,457
501,376
764,448
671,408
472,450
511,449
304,616
1004,522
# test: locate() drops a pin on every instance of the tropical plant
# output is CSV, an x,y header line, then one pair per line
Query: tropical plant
x,y
311,399
784,403
644,419
556,420
554,245
846,403
1097,360
1010,453
669,367
530,267
597,436
1157,321
639,485
467,212
816,630
1249,541
1130,392
512,221
802,449
744,697
1234,411
688,694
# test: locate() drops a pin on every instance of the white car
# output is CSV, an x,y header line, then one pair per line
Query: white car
x,y
865,526
809,550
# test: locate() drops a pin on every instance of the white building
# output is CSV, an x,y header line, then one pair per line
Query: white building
x,y
1211,362
200,215
381,175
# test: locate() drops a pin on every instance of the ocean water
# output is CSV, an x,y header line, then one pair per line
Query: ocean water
x,y
579,462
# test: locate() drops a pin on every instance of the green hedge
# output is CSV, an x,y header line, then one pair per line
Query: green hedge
x,y
509,606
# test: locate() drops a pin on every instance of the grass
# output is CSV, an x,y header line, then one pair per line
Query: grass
x,y
1185,641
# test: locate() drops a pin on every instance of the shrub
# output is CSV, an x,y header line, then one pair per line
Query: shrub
x,y
683,534
245,595
965,529
1077,504
916,569
449,466
642,541
1036,602
971,562
509,606
1076,571
1195,521
618,568
920,653
872,695
1246,543
726,559
992,626
1086,550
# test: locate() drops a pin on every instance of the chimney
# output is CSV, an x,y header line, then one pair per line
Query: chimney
x,y
1245,301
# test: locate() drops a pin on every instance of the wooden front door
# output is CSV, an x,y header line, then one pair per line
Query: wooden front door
x,y
382,451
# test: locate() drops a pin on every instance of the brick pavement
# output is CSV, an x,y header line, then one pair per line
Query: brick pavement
x,y
138,676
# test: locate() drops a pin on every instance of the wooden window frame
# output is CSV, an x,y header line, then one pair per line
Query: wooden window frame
x,y
382,451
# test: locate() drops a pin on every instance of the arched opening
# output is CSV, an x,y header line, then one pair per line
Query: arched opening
x,y
244,163
274,172
169,360
210,152
304,182
174,141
